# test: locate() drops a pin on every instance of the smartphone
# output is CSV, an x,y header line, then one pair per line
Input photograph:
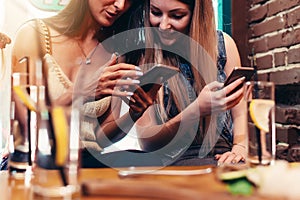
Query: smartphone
x,y
239,72
157,75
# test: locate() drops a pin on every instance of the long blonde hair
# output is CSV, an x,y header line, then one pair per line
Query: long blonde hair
x,y
201,52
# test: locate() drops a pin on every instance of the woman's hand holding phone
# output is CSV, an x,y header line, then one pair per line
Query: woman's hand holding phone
x,y
234,91
214,97
145,93
116,78
154,77
239,72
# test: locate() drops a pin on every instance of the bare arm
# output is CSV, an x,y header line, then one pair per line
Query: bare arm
x,y
26,44
212,99
239,114
153,136
113,126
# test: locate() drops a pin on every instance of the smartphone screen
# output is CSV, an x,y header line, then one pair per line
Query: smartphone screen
x,y
157,75
239,72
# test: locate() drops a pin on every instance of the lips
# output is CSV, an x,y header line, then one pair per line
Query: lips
x,y
168,37
111,14
167,34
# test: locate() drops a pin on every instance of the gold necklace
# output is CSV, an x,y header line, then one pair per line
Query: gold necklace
x,y
88,59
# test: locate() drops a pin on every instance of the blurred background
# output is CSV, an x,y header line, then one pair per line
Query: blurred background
x,y
13,13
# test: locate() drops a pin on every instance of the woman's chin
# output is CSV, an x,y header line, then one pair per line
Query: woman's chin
x,y
167,42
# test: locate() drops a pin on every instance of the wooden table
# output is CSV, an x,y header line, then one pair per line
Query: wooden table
x,y
205,186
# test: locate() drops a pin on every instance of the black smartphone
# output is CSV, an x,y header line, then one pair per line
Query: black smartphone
x,y
239,72
157,75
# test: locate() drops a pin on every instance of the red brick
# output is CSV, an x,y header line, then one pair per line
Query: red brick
x,y
279,58
289,76
264,62
260,45
277,23
277,41
288,114
293,17
294,56
285,39
277,6
258,14
287,135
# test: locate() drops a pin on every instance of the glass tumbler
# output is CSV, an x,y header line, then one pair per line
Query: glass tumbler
x,y
23,125
56,165
261,122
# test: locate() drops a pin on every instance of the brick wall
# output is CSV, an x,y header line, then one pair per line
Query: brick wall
x,y
270,30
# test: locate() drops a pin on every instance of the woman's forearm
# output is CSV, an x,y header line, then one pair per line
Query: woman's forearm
x,y
156,136
239,114
117,128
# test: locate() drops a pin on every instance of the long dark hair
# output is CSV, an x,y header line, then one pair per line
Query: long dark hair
x,y
202,57
202,31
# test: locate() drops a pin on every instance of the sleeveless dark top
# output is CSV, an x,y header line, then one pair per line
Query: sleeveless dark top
x,y
224,120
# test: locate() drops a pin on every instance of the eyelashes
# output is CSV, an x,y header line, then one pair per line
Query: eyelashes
x,y
172,16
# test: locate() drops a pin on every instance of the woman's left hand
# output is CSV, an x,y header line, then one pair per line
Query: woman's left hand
x,y
237,154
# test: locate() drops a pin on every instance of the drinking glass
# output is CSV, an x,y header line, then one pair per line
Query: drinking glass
x,y
56,165
261,122
23,125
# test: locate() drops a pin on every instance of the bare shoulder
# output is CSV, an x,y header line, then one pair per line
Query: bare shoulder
x,y
229,42
26,42
233,56
26,35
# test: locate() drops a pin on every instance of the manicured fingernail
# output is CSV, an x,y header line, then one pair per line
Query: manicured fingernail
x,y
138,68
112,56
136,81
115,54
139,73
129,93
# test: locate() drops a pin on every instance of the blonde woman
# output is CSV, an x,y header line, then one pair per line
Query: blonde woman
x,y
194,121
70,46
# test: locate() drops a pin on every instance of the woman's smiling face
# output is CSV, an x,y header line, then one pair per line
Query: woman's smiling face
x,y
171,17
